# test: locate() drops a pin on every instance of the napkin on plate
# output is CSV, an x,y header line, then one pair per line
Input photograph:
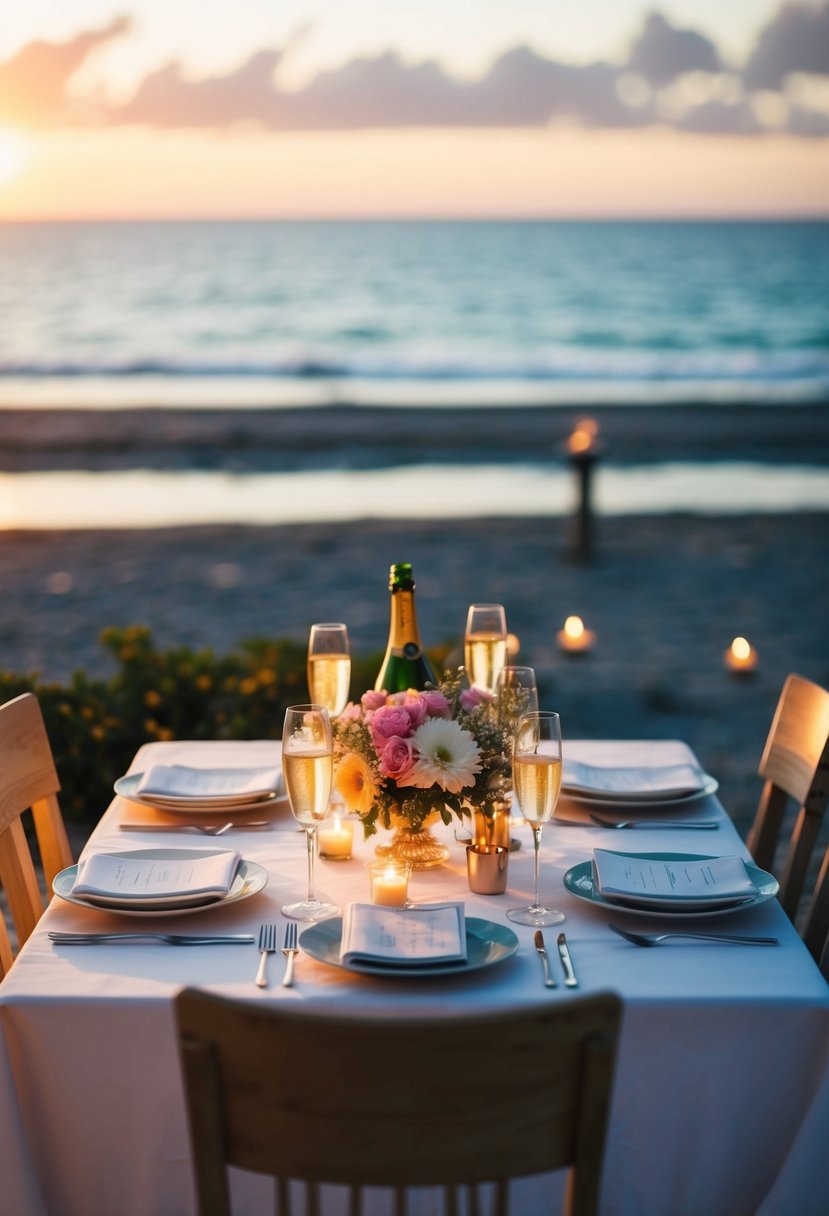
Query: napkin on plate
x,y
180,781
683,883
404,937
136,880
634,784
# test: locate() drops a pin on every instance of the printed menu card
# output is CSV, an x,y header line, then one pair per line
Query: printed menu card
x,y
684,882
404,937
140,878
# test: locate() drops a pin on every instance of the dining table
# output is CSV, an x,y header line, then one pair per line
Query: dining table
x,y
721,1094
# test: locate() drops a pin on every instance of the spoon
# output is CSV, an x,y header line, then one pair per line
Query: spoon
x,y
652,939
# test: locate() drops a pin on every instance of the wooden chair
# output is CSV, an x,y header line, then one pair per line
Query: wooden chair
x,y
399,1103
28,779
795,764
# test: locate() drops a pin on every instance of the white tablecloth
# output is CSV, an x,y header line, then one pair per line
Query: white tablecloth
x,y
721,1103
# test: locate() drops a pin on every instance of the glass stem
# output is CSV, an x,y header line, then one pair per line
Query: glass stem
x,y
310,841
536,859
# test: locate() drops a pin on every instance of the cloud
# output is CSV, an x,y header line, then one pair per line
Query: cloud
x,y
662,52
33,82
662,80
796,40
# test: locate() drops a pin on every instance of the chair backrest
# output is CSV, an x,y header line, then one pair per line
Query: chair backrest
x,y
816,924
795,764
398,1103
28,780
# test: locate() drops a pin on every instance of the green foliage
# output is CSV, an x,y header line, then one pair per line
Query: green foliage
x,y
95,726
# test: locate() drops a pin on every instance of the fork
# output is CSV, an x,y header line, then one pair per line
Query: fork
x,y
699,824
267,945
652,939
290,949
206,829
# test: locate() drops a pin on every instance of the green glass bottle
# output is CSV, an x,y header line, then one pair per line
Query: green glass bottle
x,y
405,664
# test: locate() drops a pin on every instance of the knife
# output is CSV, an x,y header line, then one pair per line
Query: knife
x,y
172,939
570,980
545,962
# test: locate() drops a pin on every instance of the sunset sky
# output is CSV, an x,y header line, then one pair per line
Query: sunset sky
x,y
311,108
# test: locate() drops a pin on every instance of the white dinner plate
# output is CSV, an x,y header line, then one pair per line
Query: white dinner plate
x,y
487,943
578,880
629,802
250,878
127,787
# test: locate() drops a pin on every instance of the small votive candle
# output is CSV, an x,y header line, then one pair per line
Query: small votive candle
x,y
574,638
740,658
389,883
335,839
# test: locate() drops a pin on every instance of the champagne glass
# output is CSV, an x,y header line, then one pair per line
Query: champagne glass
x,y
485,644
517,693
329,667
536,776
308,764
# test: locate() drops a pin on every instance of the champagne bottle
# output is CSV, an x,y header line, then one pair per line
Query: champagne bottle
x,y
405,664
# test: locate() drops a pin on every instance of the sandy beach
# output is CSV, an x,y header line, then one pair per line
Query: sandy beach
x,y
664,594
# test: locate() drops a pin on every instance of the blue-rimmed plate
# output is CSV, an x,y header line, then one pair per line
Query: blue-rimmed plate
x,y
578,880
249,879
487,943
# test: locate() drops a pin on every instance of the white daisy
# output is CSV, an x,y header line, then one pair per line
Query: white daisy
x,y
448,756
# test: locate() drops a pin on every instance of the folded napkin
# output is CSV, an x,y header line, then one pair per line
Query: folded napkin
x,y
208,784
138,880
633,784
684,883
403,937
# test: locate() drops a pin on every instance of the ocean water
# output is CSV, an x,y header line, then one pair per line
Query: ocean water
x,y
426,313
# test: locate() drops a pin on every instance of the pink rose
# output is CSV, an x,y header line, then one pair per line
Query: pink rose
x,y
436,704
351,713
414,706
390,720
472,697
397,759
372,700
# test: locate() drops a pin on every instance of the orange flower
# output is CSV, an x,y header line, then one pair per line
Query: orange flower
x,y
355,783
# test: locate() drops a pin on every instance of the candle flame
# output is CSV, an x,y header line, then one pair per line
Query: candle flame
x,y
574,627
583,435
740,648
338,823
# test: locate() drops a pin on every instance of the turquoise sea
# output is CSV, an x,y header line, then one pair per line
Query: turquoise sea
x,y
421,311
422,314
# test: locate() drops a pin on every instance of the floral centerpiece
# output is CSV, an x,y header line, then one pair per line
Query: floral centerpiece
x,y
403,758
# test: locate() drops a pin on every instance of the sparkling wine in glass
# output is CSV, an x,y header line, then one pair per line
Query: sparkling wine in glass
x,y
308,765
329,667
485,644
536,779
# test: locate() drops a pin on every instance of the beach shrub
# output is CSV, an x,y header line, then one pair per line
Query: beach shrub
x,y
95,726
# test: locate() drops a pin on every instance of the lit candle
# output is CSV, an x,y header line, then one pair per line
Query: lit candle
x,y
582,440
389,884
740,658
335,840
574,638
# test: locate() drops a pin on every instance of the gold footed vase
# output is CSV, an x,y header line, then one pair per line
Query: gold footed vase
x,y
417,847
